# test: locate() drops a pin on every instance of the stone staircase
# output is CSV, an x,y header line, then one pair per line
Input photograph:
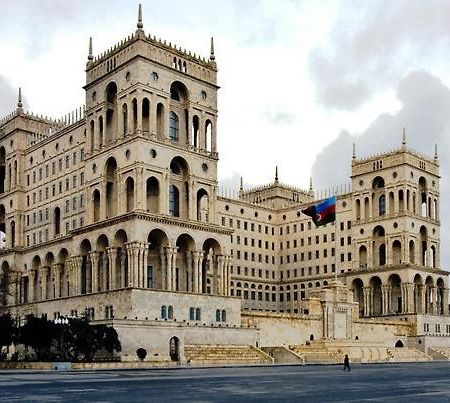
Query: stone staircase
x,y
332,352
404,354
209,354
440,353
317,353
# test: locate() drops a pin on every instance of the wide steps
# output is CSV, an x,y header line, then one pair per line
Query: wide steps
x,y
443,351
220,354
404,354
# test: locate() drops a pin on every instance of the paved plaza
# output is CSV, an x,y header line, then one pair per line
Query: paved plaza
x,y
319,383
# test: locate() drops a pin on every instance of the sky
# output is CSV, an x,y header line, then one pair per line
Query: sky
x,y
300,80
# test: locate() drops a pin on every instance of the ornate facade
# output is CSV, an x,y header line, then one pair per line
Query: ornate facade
x,y
114,212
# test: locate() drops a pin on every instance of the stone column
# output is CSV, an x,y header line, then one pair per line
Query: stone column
x,y
214,135
112,266
195,271
171,268
140,195
385,299
445,301
102,186
130,268
56,269
144,251
130,122
189,271
410,287
366,297
139,114
163,258
94,257
435,301
166,121
200,272
96,144
123,267
168,252
104,275
31,280
192,202
44,282
153,106
77,264
189,127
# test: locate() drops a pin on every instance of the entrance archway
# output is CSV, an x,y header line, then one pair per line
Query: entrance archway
x,y
174,348
399,344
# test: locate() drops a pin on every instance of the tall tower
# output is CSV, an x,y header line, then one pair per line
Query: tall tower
x,y
396,234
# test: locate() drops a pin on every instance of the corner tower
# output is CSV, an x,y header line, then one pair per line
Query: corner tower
x,y
397,234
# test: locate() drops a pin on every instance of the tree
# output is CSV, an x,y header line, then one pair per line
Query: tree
x,y
83,340
40,334
141,353
7,332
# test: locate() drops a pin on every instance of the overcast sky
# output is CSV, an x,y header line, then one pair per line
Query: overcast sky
x,y
300,80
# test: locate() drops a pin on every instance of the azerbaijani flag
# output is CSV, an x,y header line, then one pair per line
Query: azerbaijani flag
x,y
322,213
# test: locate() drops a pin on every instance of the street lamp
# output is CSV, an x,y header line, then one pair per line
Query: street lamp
x,y
61,320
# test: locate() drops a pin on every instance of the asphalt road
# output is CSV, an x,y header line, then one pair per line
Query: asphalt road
x,y
420,382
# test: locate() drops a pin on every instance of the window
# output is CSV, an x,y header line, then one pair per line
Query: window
x,y
149,276
174,201
109,312
382,205
191,313
198,314
173,126
170,312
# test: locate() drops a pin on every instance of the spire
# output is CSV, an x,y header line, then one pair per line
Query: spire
x,y
354,151
19,102
140,25
242,185
90,56
311,191
212,57
404,138
276,173
436,157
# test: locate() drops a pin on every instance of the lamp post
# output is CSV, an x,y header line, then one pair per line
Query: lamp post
x,y
61,320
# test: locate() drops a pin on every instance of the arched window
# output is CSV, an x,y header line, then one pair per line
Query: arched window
x,y
130,194
13,234
96,200
198,314
217,315
174,201
224,315
173,126
382,205
191,313
163,312
170,312
125,119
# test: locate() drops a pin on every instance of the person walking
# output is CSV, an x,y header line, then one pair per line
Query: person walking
x,y
346,363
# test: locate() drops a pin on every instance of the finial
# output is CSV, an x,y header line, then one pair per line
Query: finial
x,y
404,138
276,173
242,185
90,56
354,151
19,103
140,25
311,191
212,56
436,157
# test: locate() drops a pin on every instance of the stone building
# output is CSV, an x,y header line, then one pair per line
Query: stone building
x,y
114,212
